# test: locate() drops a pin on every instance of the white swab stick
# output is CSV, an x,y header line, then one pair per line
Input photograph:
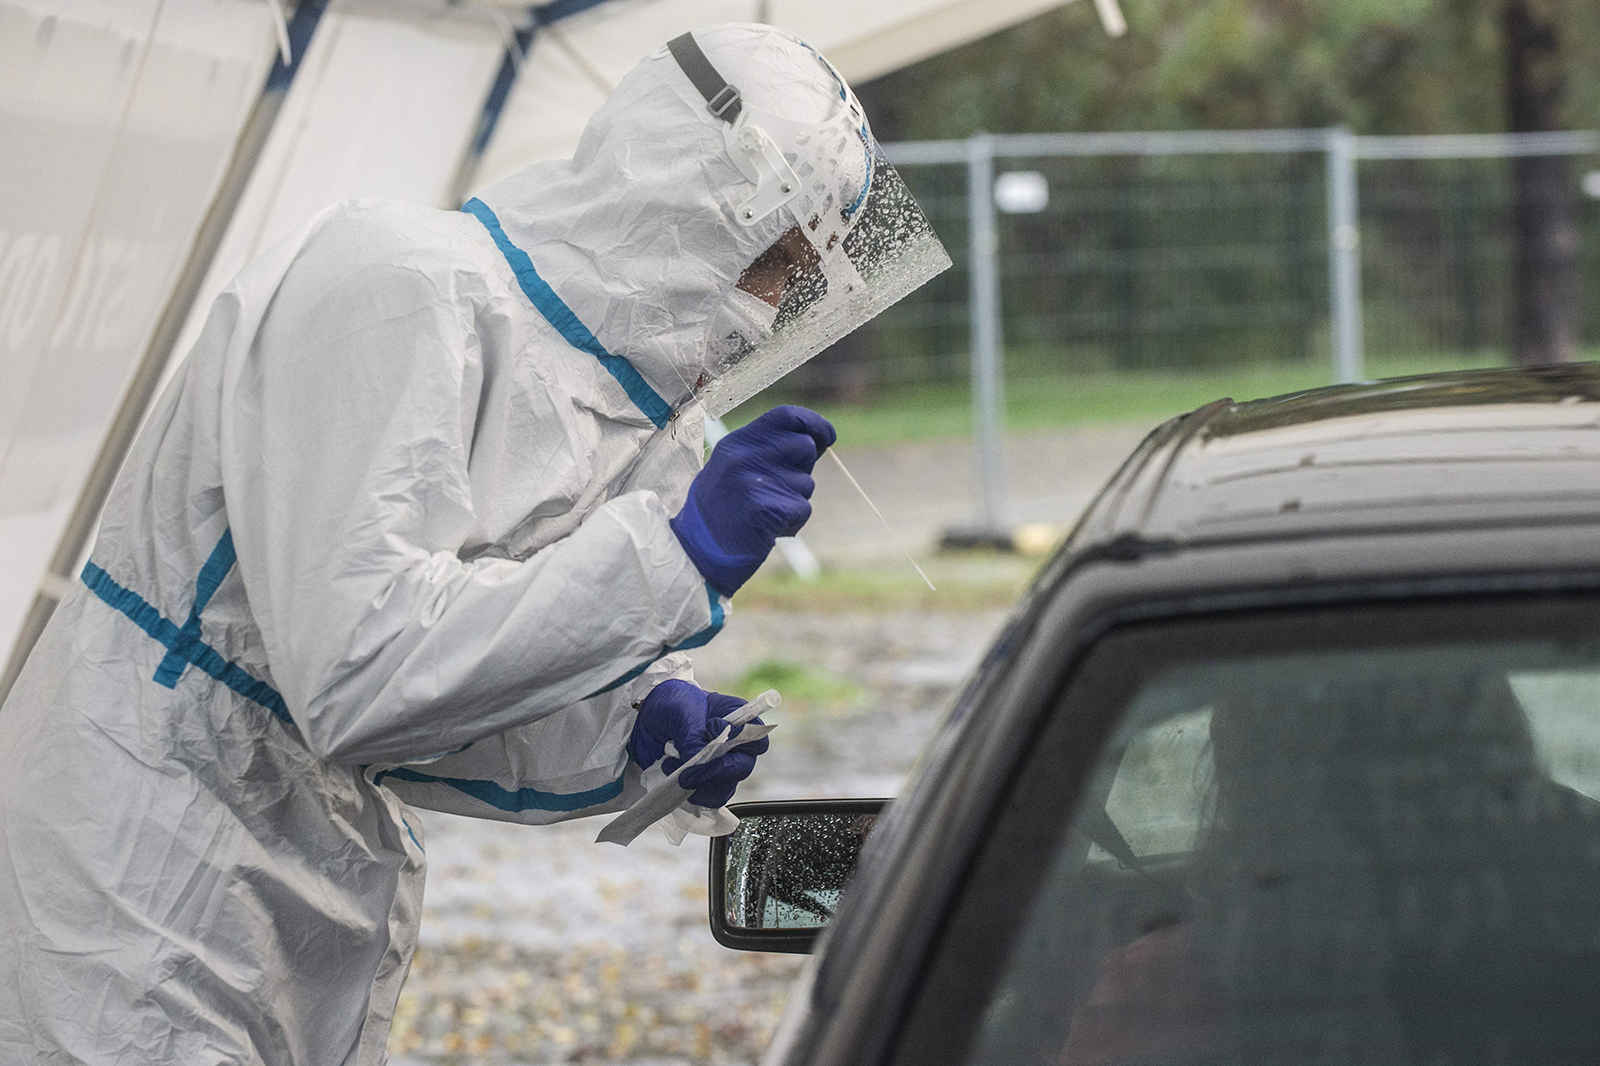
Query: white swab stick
x,y
852,479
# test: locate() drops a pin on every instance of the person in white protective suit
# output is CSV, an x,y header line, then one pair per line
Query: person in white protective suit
x,y
417,523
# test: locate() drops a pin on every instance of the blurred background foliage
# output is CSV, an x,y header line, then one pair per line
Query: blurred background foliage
x,y
1379,66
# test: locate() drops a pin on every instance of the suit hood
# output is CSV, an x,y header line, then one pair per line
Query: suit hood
x,y
636,232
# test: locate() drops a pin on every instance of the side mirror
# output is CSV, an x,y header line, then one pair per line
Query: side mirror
x,y
776,880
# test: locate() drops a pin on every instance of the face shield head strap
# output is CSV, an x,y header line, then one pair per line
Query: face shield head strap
x,y
722,99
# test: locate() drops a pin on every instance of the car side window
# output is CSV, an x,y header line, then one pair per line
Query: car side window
x,y
1332,836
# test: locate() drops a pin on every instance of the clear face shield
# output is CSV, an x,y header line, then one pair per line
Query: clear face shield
x,y
859,241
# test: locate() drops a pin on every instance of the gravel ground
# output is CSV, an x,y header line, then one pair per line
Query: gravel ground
x,y
540,946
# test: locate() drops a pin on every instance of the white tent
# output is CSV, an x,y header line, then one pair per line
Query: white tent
x,y
119,120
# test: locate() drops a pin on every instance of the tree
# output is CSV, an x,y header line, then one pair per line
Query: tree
x,y
1545,235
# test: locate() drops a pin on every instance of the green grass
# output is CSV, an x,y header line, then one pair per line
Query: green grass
x,y
803,688
1045,401
964,582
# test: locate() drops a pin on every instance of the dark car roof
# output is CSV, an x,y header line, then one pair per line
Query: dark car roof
x,y
1518,446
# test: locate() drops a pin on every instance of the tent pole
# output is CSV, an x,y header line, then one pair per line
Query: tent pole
x,y
147,378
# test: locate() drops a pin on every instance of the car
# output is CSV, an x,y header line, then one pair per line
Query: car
x,y
1287,756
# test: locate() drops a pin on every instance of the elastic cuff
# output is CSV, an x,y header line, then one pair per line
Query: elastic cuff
x,y
724,572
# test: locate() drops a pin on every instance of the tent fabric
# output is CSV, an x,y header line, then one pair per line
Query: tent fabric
x,y
573,63
117,121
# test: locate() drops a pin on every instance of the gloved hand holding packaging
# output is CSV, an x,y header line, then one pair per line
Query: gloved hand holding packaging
x,y
685,740
754,489
678,719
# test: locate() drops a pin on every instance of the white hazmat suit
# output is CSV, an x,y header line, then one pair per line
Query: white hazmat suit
x,y
397,534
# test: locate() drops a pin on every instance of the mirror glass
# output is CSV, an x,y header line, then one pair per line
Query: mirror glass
x,y
787,870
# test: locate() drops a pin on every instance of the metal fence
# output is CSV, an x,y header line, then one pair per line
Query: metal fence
x,y
1204,249
1161,250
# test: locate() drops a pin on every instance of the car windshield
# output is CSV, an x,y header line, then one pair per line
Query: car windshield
x,y
1365,835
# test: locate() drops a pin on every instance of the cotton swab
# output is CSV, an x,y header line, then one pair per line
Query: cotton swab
x,y
852,479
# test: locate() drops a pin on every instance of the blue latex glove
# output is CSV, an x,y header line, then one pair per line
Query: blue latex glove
x,y
754,489
690,717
